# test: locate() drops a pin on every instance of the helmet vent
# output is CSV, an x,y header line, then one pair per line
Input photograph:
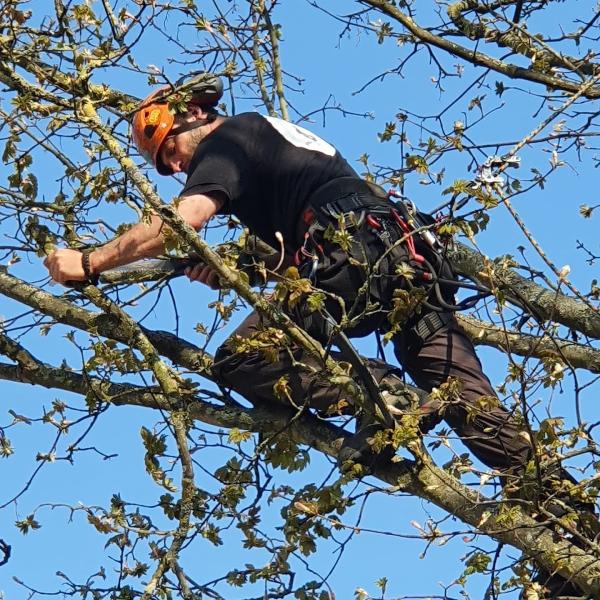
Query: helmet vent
x,y
149,131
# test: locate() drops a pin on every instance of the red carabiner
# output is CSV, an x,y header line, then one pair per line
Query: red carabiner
x,y
373,222
410,242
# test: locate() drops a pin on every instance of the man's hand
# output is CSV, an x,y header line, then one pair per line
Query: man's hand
x,y
65,265
205,274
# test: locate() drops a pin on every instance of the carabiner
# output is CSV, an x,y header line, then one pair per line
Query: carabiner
x,y
410,242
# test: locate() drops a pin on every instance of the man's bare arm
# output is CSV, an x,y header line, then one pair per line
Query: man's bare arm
x,y
143,240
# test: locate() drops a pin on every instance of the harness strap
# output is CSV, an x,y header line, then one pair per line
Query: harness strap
x,y
349,194
429,324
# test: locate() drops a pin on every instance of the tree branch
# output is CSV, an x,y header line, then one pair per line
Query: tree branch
x,y
177,350
423,478
518,39
546,304
475,57
6,550
523,344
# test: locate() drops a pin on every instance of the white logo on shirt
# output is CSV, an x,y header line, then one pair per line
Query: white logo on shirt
x,y
300,137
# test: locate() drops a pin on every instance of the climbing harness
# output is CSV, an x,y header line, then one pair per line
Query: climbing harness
x,y
391,214
396,220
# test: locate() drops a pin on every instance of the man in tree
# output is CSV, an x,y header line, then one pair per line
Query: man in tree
x,y
290,187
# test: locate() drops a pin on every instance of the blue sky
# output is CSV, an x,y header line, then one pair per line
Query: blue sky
x,y
335,67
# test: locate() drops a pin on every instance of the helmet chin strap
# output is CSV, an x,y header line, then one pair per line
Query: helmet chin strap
x,y
191,125
187,126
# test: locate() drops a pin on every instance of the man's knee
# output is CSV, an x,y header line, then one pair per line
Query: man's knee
x,y
229,364
222,367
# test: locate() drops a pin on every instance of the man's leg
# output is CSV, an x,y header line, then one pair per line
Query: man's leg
x,y
491,433
253,373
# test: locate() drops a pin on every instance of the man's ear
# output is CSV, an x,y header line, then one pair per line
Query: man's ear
x,y
197,112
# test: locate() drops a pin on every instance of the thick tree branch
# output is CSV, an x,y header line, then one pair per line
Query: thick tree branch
x,y
545,304
517,39
423,479
523,344
475,57
178,351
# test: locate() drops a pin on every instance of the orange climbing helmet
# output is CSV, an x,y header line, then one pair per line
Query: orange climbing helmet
x,y
153,121
151,124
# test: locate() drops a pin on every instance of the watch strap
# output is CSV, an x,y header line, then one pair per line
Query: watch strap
x,y
87,267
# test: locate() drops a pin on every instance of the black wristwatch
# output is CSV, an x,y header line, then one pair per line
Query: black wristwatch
x,y
87,267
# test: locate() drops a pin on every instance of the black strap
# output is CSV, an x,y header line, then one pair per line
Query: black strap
x,y
346,194
87,269
429,324
191,125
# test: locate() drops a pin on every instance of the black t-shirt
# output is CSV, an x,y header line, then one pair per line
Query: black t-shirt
x,y
267,169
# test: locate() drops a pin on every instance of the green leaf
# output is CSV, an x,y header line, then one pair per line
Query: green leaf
x,y
417,163
5,447
388,132
315,301
26,524
237,436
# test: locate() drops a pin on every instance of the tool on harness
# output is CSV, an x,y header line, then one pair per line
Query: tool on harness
x,y
309,250
393,219
414,221
410,242
423,225
380,228
385,236
436,273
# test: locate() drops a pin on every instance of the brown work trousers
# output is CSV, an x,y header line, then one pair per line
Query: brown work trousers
x,y
491,434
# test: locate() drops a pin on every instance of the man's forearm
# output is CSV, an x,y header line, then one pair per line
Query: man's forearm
x,y
143,240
